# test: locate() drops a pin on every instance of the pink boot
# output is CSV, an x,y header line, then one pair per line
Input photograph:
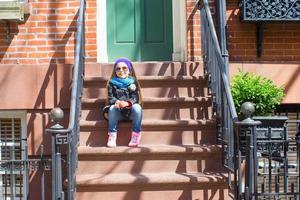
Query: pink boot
x,y
112,139
135,139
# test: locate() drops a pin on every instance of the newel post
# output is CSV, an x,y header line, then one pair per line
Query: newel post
x,y
57,139
247,150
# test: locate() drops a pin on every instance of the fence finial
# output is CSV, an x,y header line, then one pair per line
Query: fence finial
x,y
56,115
247,109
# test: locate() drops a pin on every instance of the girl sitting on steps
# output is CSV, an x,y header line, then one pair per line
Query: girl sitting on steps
x,y
124,99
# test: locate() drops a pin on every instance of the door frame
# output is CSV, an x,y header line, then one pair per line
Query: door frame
x,y
179,31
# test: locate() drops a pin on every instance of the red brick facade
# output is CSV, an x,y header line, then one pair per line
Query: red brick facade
x,y
281,40
193,31
47,34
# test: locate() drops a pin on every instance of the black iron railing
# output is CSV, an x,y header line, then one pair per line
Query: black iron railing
x,y
216,68
69,136
267,164
264,160
14,173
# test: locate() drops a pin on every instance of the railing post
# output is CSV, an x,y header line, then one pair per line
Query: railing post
x,y
248,149
298,160
57,139
222,32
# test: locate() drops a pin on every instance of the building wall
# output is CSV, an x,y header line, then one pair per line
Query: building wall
x,y
47,34
281,40
36,89
193,31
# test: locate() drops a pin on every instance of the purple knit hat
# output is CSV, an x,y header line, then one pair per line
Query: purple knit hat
x,y
124,60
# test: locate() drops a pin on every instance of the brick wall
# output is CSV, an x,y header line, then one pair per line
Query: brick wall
x,y
281,41
47,34
194,28
193,31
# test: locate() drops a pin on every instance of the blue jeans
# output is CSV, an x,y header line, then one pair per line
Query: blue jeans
x,y
114,116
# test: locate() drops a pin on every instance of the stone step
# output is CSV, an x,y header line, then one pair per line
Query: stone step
x,y
212,193
106,153
153,86
149,159
156,108
156,102
204,135
172,91
148,68
159,125
153,81
98,138
94,133
151,181
160,114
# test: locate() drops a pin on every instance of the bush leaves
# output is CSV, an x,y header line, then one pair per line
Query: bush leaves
x,y
261,91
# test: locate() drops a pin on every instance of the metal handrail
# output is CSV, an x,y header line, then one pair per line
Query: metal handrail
x,y
221,64
70,135
216,68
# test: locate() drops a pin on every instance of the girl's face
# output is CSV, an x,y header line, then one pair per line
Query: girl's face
x,y
122,70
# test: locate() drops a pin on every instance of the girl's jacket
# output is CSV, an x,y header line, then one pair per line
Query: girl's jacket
x,y
123,94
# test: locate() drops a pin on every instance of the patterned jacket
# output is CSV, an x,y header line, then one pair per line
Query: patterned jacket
x,y
123,94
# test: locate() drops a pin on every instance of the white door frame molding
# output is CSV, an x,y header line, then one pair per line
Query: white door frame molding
x,y
179,31
101,32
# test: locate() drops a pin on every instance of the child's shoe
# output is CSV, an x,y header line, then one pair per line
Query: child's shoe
x,y
112,139
135,139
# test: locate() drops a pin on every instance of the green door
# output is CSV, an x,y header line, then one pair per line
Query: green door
x,y
140,30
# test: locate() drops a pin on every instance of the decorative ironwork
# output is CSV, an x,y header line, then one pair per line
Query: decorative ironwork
x,y
271,158
30,164
270,10
62,139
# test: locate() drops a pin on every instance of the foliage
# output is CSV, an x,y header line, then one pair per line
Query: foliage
x,y
261,91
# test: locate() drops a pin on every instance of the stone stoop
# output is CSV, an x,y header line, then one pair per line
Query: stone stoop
x,y
178,157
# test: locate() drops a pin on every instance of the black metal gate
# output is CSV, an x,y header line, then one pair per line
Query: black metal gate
x,y
14,174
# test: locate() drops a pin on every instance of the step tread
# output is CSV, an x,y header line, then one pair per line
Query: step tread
x,y
150,149
150,178
151,78
153,122
153,99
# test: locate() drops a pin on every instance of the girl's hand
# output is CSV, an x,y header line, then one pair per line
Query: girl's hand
x,y
121,104
117,104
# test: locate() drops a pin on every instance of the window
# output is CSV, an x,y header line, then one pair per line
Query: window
x,y
13,147
12,10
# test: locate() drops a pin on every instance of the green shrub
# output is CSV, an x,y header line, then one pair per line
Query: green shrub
x,y
261,91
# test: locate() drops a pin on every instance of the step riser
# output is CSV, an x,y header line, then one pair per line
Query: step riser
x,y
98,137
165,114
173,102
184,194
148,69
138,164
153,83
152,92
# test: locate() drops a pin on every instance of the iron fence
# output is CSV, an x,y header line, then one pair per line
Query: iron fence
x,y
268,156
14,175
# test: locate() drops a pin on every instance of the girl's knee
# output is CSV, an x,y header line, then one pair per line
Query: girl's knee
x,y
136,108
112,109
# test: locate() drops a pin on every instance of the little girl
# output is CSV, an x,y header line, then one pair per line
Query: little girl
x,y
124,98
